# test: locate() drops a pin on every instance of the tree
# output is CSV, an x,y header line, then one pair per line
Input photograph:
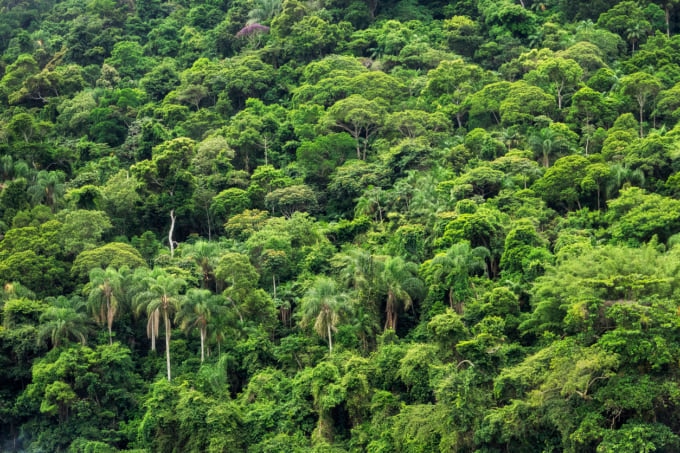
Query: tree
x,y
104,298
160,297
560,186
462,34
205,255
562,74
553,141
524,103
636,216
488,100
63,321
199,309
627,19
452,269
288,200
668,6
15,74
114,254
324,305
82,229
241,279
643,88
358,116
451,83
263,11
48,188
402,285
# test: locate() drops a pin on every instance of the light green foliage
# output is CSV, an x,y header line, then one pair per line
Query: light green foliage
x,y
561,75
114,254
82,230
643,88
523,103
636,216
359,117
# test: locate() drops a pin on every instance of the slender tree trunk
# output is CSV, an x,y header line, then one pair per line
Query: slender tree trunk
x,y
166,320
357,136
266,160
109,319
172,228
207,215
202,344
559,98
391,315
330,340
642,133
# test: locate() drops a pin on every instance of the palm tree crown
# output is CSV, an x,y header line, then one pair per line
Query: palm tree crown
x,y
325,305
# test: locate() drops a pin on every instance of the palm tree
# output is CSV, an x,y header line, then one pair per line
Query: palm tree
x,y
11,169
206,255
104,296
453,268
325,305
263,11
622,176
138,285
365,324
548,143
161,298
357,269
62,321
371,203
48,188
198,310
401,282
637,31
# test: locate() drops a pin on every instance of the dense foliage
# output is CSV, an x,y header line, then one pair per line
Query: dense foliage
x,y
339,225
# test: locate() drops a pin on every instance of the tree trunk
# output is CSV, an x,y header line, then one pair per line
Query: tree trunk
x,y
172,228
642,133
391,314
166,320
109,319
330,340
207,215
202,344
357,136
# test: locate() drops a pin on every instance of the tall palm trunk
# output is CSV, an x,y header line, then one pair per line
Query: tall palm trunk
x,y
166,320
203,335
330,340
390,313
109,319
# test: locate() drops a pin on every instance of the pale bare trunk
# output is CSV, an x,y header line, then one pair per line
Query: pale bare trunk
x,y
172,228
330,340
202,344
166,320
